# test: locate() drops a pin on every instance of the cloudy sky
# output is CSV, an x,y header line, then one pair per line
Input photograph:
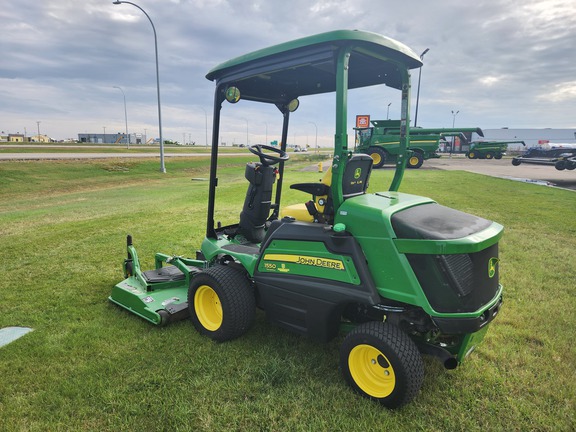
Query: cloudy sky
x,y
500,63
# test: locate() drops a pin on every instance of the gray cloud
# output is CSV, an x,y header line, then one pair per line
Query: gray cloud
x,y
500,63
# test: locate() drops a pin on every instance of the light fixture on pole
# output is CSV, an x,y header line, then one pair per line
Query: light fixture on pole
x,y
454,117
418,92
162,167
125,117
316,135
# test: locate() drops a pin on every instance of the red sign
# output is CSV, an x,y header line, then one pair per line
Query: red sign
x,y
362,121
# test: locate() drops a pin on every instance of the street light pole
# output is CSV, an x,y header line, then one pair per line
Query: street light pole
x,y
247,143
454,117
206,124
453,138
162,167
38,124
388,112
316,135
418,92
125,117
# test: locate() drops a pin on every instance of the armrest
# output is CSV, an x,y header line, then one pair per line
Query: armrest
x,y
315,189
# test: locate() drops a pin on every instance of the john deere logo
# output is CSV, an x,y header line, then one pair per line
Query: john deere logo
x,y
357,173
283,268
492,267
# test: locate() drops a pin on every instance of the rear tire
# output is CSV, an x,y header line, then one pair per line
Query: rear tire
x,y
471,155
378,155
560,165
490,155
222,303
380,362
498,156
415,160
516,162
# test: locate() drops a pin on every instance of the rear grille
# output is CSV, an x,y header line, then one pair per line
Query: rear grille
x,y
457,283
460,272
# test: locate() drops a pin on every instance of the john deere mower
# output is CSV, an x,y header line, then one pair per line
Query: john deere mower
x,y
395,275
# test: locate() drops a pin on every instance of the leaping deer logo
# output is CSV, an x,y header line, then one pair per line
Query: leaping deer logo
x,y
492,267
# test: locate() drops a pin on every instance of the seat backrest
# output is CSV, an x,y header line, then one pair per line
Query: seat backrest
x,y
356,175
258,201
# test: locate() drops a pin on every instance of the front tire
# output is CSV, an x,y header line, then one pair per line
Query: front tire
x,y
516,162
415,160
490,155
382,363
378,155
222,303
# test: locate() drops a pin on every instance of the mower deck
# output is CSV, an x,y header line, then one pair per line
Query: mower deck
x,y
159,295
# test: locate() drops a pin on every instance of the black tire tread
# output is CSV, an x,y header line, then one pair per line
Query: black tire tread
x,y
236,297
381,152
408,366
419,163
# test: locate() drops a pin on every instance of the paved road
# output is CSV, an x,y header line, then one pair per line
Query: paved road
x,y
60,156
503,168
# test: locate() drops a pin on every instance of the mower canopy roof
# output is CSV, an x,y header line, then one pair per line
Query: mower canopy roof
x,y
307,66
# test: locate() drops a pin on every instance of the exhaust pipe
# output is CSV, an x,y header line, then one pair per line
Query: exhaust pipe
x,y
448,359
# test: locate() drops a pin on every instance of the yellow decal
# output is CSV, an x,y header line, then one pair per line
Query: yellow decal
x,y
283,268
492,266
305,260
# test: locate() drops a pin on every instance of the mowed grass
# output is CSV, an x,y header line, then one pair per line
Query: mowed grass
x,y
89,365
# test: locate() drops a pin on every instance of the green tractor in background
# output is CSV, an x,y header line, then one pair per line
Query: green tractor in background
x,y
382,142
489,149
400,274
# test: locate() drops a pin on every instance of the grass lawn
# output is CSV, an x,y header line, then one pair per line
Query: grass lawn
x,y
89,365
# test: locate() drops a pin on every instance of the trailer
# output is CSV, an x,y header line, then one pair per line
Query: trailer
x,y
561,156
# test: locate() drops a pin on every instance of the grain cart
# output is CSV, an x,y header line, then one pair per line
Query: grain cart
x,y
399,274
382,142
489,149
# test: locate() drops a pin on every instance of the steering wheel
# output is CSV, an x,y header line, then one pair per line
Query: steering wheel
x,y
268,159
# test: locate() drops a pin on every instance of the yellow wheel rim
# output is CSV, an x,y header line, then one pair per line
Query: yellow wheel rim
x,y
208,308
371,371
472,155
376,158
413,161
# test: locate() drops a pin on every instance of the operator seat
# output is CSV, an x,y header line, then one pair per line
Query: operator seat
x,y
320,209
258,200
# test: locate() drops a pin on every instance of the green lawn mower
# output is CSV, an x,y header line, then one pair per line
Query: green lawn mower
x,y
400,274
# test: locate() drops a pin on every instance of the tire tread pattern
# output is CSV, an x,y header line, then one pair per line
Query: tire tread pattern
x,y
401,351
236,298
